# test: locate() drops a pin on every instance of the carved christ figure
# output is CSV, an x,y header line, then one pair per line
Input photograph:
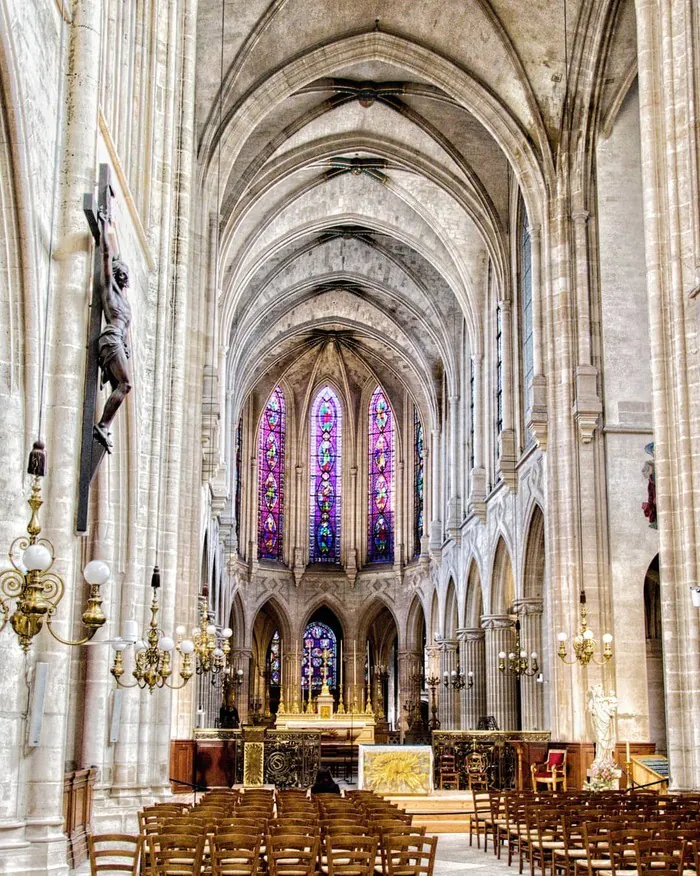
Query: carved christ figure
x,y
112,347
602,709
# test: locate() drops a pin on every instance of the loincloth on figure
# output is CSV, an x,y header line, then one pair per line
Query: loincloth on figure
x,y
109,344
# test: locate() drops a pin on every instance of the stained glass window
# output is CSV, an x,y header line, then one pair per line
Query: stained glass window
x,y
526,332
381,479
271,479
325,445
419,484
318,638
239,473
274,659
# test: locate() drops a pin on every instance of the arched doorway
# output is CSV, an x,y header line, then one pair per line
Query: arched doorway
x,y
379,634
270,638
655,657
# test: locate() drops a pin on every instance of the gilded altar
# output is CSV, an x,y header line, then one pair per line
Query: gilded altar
x,y
355,727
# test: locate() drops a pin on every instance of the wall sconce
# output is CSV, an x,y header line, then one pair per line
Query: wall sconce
x,y
38,590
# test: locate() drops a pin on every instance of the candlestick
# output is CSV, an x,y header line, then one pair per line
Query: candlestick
x,y
627,752
340,669
281,671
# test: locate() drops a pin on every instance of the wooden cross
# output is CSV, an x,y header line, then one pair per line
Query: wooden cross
x,y
92,452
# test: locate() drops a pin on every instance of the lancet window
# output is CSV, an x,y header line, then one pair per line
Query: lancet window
x,y
274,659
318,638
419,482
271,478
527,339
325,501
381,479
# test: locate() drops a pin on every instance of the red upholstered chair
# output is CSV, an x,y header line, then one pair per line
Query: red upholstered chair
x,y
552,772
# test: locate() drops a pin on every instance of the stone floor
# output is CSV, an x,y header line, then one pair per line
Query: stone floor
x,y
454,857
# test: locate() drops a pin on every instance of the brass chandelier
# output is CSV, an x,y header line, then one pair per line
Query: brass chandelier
x,y
517,662
34,584
153,654
211,646
584,643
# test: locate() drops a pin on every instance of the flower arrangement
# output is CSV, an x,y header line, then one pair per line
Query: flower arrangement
x,y
602,777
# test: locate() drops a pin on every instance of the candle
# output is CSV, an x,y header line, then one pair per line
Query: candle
x,y
627,751
341,666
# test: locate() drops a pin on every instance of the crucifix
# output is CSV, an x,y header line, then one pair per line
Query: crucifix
x,y
107,349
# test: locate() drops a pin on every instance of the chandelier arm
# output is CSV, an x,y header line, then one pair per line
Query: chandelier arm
x,y
69,641
121,683
167,684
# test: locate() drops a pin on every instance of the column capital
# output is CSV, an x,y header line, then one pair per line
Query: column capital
x,y
534,231
528,605
580,216
505,304
471,635
497,621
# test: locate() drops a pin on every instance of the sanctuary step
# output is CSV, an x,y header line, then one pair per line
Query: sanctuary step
x,y
440,812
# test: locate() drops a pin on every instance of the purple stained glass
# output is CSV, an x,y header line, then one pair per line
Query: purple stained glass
x,y
274,659
271,480
419,468
325,444
381,475
317,638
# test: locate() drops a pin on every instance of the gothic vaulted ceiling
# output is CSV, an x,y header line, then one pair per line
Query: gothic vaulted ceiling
x,y
359,161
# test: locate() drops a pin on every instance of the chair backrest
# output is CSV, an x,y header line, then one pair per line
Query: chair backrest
x,y
236,854
556,757
410,855
292,855
350,855
114,853
659,857
176,854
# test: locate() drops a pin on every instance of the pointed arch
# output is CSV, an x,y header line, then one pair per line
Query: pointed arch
x,y
534,566
474,606
380,536
451,620
271,447
415,625
325,467
502,584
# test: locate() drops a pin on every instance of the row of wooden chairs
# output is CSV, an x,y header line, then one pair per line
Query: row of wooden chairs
x,y
185,854
603,834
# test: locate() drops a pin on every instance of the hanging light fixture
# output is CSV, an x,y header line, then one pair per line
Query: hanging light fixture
x,y
211,646
457,679
33,583
153,653
517,662
584,643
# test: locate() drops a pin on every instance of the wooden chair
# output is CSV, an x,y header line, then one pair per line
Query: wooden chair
x,y
292,855
176,854
448,774
477,776
410,855
348,855
481,811
660,857
549,839
235,854
551,773
114,853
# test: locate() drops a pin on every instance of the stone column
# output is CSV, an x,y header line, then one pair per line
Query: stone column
x,y
669,109
508,454
500,686
454,512
433,663
449,700
299,549
536,414
473,659
477,495
435,525
240,659
529,612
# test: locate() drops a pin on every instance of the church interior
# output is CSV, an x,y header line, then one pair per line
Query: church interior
x,y
351,406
